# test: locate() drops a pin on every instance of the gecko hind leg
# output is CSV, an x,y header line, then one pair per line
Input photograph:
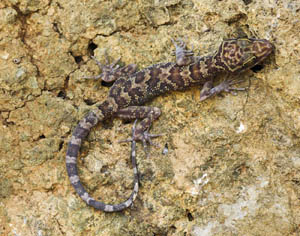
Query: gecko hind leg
x,y
148,115
113,71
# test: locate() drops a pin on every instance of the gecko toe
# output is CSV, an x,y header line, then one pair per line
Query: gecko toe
x,y
145,138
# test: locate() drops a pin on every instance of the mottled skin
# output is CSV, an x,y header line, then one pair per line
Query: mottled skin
x,y
132,89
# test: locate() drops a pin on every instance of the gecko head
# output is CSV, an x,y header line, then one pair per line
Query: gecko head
x,y
240,54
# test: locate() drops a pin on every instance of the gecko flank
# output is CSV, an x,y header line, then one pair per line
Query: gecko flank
x,y
131,90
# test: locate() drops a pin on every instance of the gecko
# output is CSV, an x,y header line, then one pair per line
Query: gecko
x,y
132,89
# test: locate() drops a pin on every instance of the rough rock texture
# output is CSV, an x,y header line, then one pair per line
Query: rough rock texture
x,y
233,166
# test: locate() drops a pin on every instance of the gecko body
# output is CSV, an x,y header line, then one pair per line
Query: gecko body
x,y
131,90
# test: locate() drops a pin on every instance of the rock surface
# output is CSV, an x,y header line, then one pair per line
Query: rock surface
x,y
233,165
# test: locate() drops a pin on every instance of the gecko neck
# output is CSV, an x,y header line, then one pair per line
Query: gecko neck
x,y
208,66
217,64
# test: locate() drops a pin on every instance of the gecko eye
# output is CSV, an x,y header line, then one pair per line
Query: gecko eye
x,y
244,42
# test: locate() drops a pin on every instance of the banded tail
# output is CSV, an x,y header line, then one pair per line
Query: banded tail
x,y
81,131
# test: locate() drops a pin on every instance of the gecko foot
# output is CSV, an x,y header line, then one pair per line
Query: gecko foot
x,y
180,46
183,55
110,72
225,86
145,137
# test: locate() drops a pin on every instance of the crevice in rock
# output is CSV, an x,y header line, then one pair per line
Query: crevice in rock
x,y
91,48
189,215
89,102
61,144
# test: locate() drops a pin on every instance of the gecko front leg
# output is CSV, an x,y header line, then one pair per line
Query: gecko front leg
x,y
208,90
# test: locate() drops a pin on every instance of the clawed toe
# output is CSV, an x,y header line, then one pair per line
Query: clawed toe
x,y
145,137
225,86
107,70
228,86
178,42
110,72
181,45
233,90
133,132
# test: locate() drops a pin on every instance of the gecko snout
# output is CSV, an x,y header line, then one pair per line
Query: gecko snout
x,y
262,48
